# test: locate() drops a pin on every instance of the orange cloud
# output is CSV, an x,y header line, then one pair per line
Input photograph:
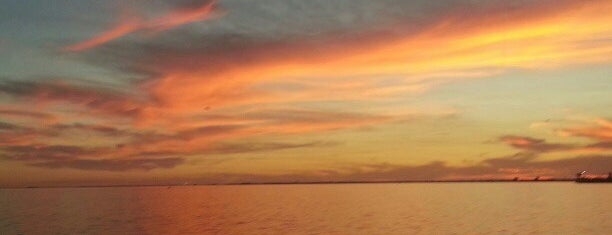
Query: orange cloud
x,y
166,22
173,111
477,45
534,145
602,131
600,135
19,113
190,85
544,37
203,138
118,31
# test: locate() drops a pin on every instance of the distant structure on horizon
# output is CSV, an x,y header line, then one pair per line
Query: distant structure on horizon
x,y
582,178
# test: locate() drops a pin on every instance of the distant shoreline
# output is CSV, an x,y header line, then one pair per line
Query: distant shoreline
x,y
299,183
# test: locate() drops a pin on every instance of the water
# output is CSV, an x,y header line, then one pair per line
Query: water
x,y
441,208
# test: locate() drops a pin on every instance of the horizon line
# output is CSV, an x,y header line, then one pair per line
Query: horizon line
x,y
304,182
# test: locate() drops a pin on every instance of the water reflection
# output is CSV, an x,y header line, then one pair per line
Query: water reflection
x,y
478,208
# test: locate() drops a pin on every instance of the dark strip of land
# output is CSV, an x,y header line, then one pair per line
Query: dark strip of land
x,y
306,182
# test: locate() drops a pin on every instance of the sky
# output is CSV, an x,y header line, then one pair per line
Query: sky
x,y
233,91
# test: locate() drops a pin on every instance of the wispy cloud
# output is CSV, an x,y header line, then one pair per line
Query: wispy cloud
x,y
602,131
598,135
120,30
143,164
134,24
187,79
95,99
232,148
534,145
9,112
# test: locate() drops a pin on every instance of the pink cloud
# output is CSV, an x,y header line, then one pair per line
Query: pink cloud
x,y
171,20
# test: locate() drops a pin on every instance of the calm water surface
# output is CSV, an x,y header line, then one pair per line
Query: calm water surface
x,y
453,208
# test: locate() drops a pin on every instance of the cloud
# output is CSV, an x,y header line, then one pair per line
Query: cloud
x,y
84,158
203,88
143,164
98,159
540,146
601,145
527,163
227,69
520,165
187,141
12,134
224,69
183,16
304,121
116,32
602,131
7,126
598,131
97,99
27,143
44,152
232,148
25,114
224,138
171,20
534,145
106,130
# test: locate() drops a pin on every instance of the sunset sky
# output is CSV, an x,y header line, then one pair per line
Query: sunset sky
x,y
154,92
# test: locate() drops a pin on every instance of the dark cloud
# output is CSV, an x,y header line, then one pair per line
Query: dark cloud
x,y
7,126
283,120
263,147
187,4
206,131
211,54
25,113
601,145
106,130
128,164
296,116
11,134
97,99
151,138
44,152
76,157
